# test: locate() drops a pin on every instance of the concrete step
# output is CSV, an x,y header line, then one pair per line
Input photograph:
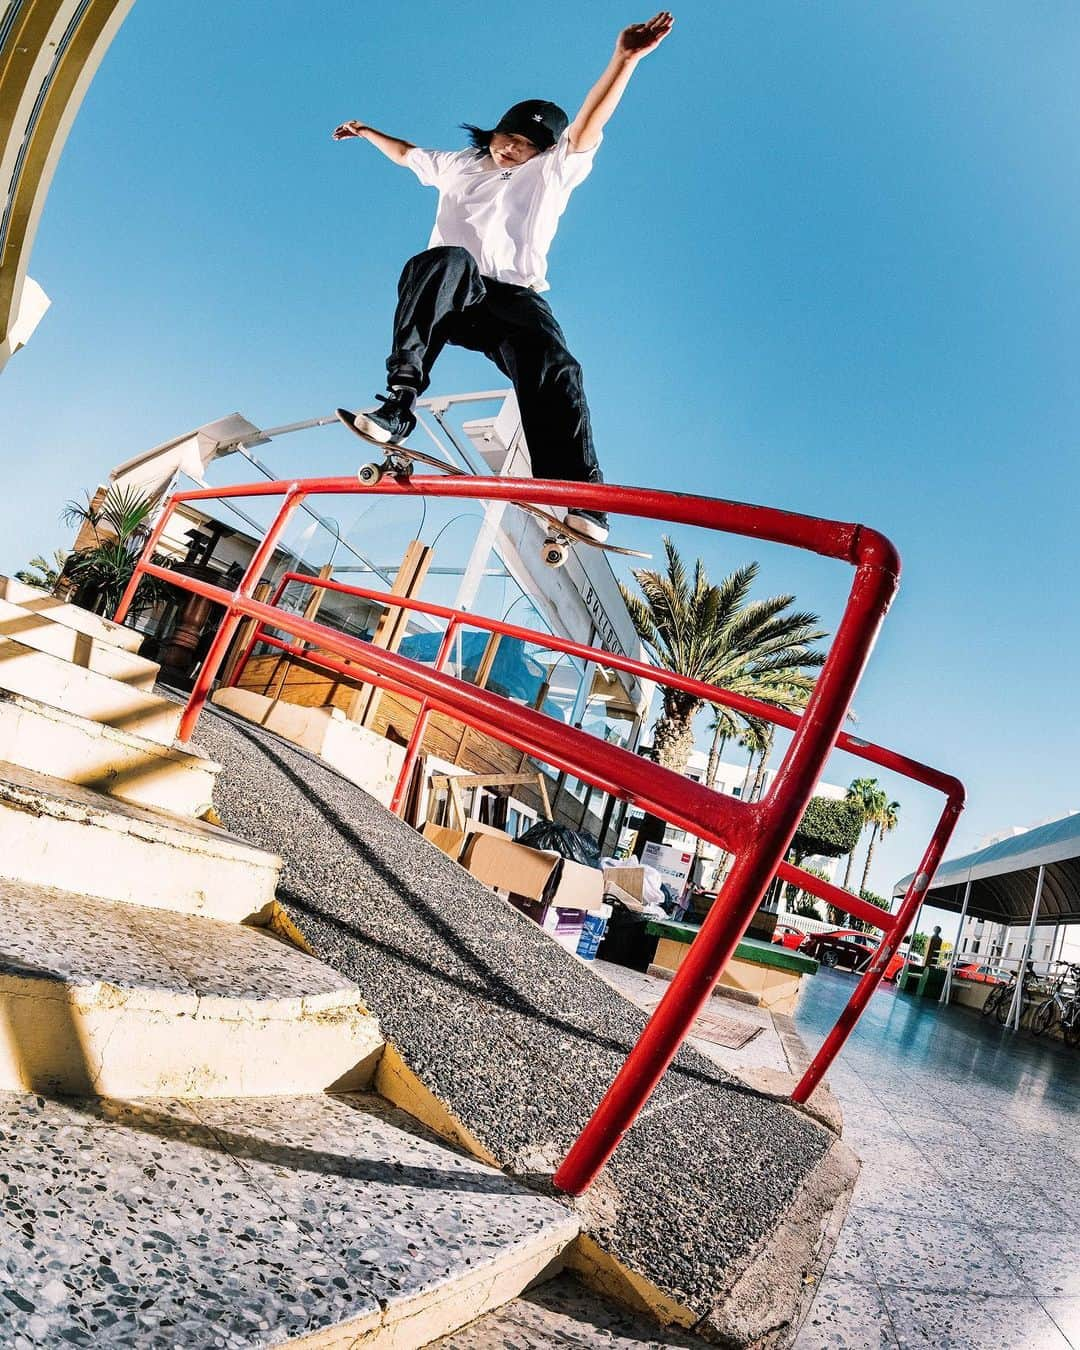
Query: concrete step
x,y
117,1000
42,634
53,680
324,1221
120,763
563,1312
54,833
36,601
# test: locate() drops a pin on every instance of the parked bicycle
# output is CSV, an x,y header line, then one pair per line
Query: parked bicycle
x,y
1063,1005
1000,999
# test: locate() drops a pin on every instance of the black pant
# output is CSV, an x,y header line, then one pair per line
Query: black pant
x,y
443,298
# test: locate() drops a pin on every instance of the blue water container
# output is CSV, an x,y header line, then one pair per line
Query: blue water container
x,y
591,935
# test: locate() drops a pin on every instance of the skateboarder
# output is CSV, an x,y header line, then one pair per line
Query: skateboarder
x,y
479,282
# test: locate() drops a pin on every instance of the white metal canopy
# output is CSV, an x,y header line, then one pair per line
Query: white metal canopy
x,y
1004,875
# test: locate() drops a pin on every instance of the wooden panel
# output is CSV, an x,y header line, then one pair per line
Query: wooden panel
x,y
304,685
392,627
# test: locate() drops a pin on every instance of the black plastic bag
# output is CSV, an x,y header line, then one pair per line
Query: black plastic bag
x,y
573,844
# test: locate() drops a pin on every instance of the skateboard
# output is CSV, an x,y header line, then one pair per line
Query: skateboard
x,y
398,461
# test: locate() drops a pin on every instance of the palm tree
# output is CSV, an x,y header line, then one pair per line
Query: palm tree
x,y
866,793
763,763
41,573
724,726
884,821
714,633
755,738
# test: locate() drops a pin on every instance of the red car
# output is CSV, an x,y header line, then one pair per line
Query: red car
x,y
849,949
790,937
980,974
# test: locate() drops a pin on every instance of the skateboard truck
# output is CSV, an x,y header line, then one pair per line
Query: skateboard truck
x,y
556,550
400,466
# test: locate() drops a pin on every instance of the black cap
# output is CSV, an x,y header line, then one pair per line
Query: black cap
x,y
536,119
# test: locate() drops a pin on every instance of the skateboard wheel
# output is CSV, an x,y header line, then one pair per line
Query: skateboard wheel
x,y
369,474
403,469
555,554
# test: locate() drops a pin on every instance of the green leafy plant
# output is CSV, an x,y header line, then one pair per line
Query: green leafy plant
x,y
802,902
39,572
100,571
828,829
871,899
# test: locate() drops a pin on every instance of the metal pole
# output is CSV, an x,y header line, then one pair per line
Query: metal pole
x,y
294,495
910,939
775,822
946,988
1018,993
416,740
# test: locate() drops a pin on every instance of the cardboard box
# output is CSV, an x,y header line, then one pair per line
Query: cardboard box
x,y
565,926
625,882
672,863
453,842
449,841
527,874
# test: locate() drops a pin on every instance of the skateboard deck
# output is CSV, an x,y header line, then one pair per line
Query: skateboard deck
x,y
398,461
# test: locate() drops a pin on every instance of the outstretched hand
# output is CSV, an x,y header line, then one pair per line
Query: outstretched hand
x,y
347,129
641,38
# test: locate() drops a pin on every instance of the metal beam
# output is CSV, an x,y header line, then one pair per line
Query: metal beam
x,y
1016,1010
50,51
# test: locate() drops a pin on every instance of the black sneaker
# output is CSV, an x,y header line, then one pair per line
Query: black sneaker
x,y
393,423
592,524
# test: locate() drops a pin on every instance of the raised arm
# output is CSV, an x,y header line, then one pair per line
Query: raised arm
x,y
603,98
391,147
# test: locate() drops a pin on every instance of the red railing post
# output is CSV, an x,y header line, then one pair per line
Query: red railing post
x,y
777,817
894,935
224,636
416,739
144,557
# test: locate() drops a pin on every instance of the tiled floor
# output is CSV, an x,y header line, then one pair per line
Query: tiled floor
x,y
964,1229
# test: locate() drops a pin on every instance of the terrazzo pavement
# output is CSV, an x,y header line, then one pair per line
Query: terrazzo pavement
x,y
515,1034
158,954
235,1223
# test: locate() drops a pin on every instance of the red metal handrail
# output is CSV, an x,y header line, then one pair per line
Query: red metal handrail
x,y
823,890
757,833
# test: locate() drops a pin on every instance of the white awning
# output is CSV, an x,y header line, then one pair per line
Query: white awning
x,y
1003,876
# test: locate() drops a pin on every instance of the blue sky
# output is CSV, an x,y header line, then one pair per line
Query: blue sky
x,y
827,260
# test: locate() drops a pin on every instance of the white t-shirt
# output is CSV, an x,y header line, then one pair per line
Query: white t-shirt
x,y
506,218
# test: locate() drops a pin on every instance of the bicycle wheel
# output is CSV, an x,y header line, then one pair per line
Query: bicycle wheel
x,y
1070,1027
1042,1019
1004,1005
993,998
